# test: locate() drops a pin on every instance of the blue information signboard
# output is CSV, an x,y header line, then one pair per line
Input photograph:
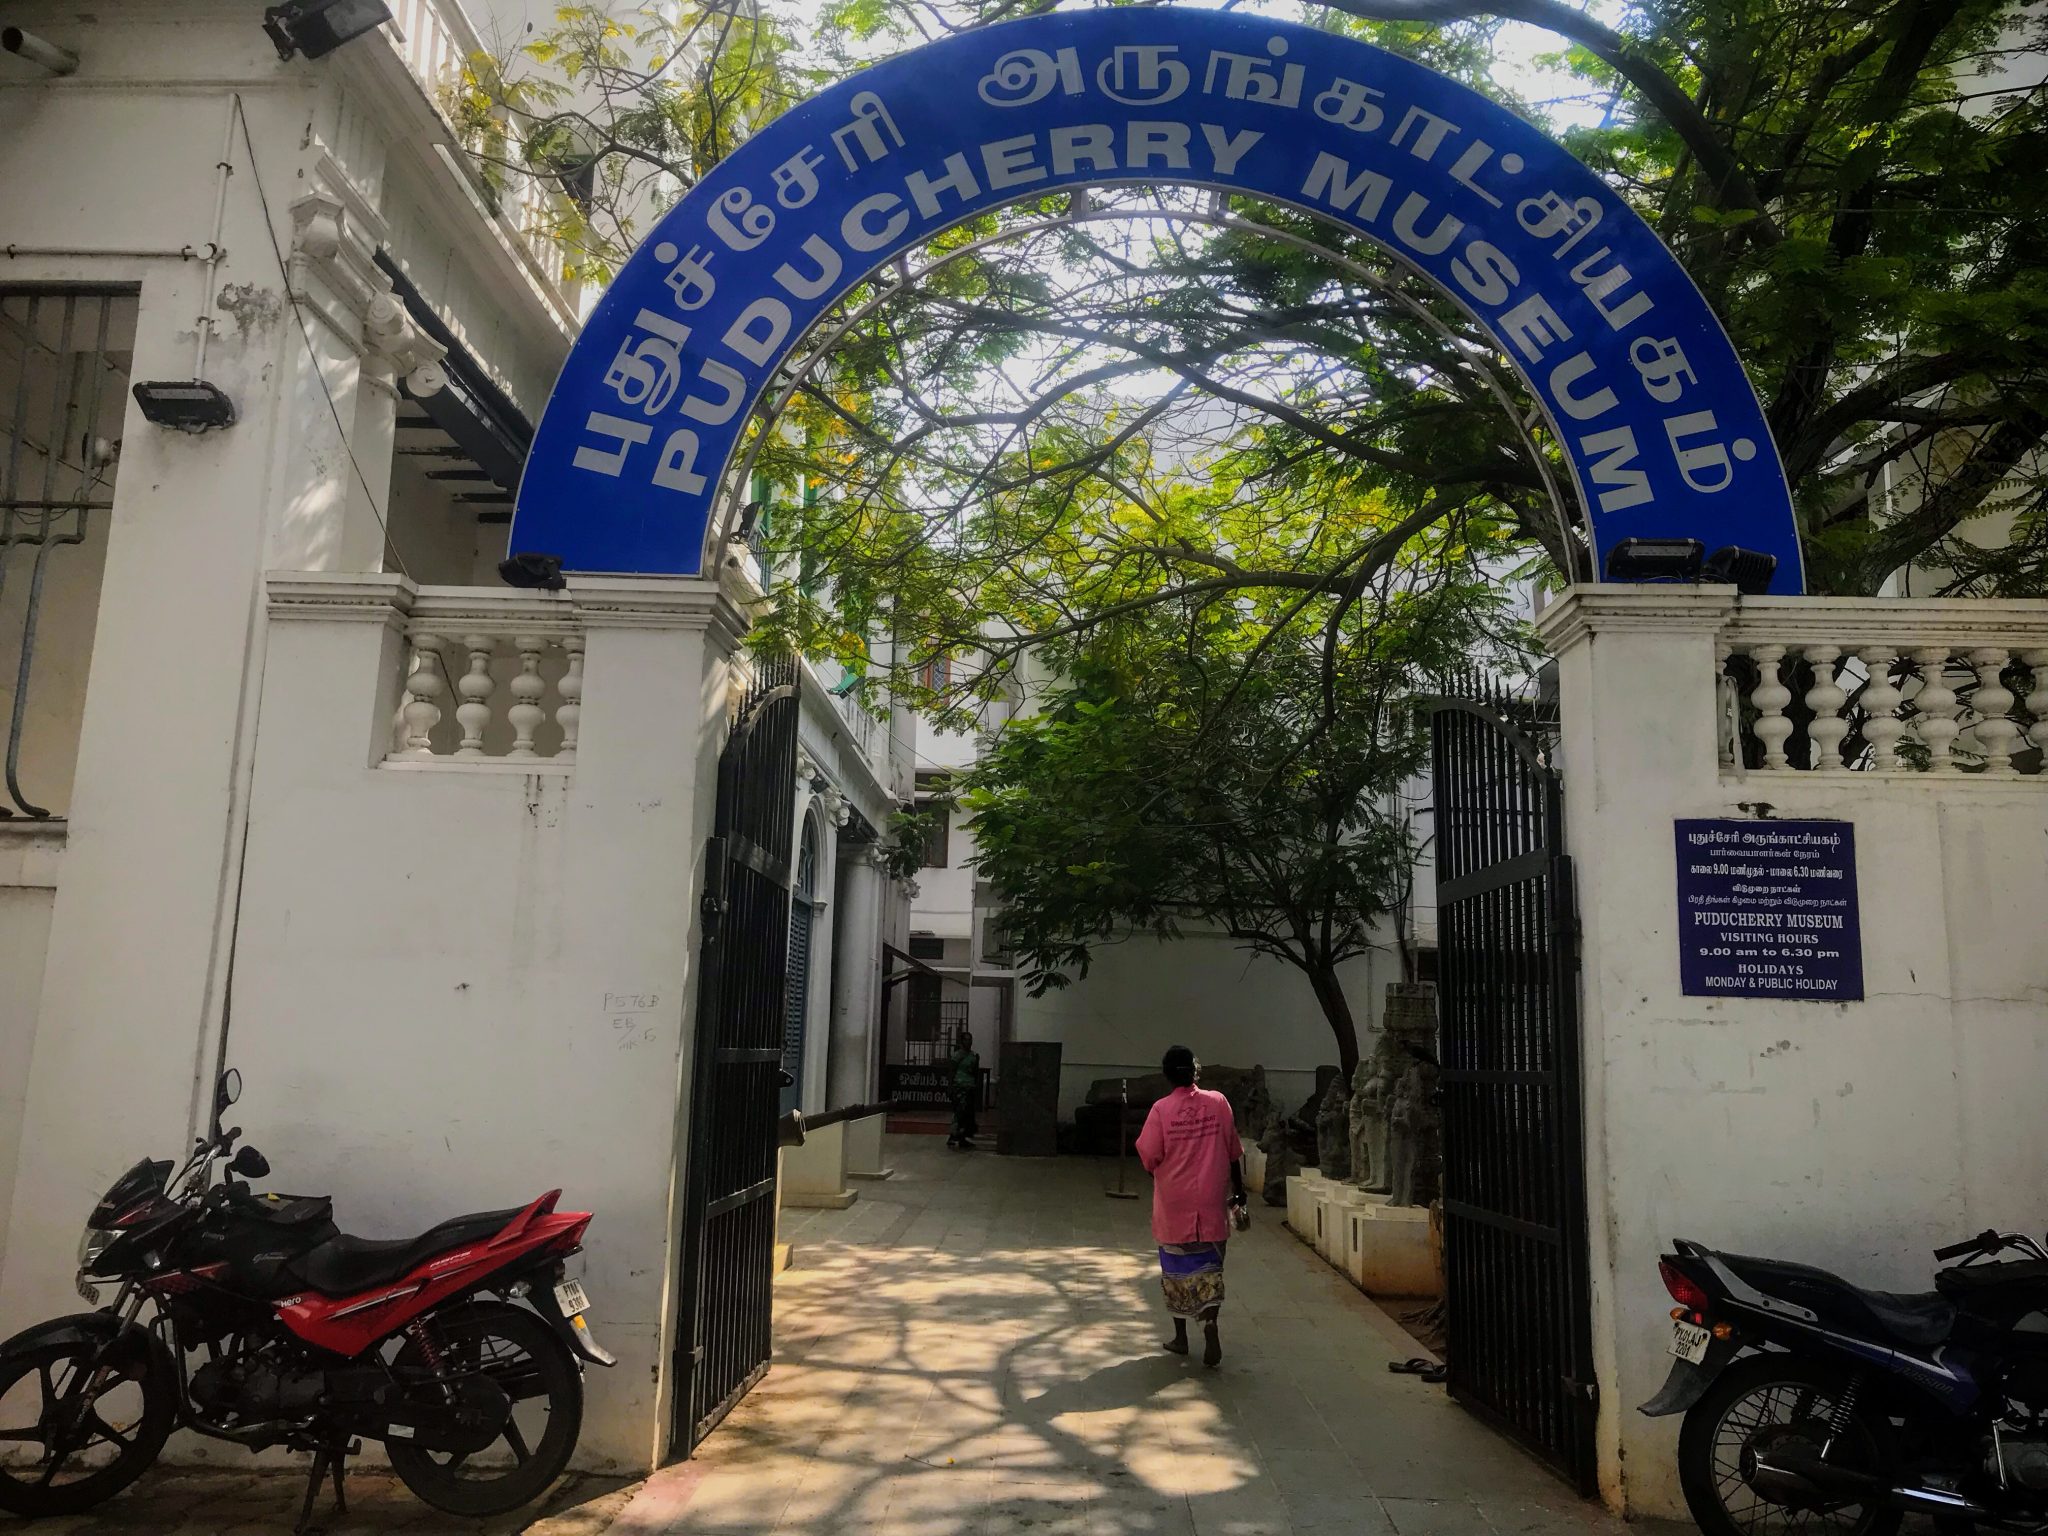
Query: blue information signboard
x,y
1768,909
1645,397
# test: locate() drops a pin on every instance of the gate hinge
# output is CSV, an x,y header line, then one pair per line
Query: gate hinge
x,y
1587,1392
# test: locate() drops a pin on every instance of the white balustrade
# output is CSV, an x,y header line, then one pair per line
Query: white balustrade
x,y
512,666
1950,687
437,40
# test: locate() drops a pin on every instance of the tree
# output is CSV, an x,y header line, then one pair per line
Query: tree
x,y
623,107
1855,186
1168,783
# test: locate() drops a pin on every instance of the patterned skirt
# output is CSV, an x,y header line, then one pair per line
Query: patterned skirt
x,y
1191,1275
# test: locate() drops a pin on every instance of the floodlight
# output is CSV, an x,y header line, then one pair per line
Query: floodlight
x,y
1655,560
1749,570
533,572
316,28
190,405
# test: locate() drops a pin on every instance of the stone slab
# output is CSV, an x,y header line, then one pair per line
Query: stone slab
x,y
1029,1095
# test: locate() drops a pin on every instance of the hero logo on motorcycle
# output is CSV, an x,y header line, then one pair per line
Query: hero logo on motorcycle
x,y
267,1326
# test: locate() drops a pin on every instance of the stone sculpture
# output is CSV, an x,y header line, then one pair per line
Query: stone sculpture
x,y
1413,1125
1258,1107
1382,1070
1365,1107
1333,1131
1281,1163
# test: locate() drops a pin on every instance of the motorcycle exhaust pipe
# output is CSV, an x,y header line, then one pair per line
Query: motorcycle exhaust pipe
x,y
1800,1479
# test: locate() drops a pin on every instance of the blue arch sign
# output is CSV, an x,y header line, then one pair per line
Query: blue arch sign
x,y
1647,398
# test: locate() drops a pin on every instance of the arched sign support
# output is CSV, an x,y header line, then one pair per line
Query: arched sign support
x,y
792,379
1648,401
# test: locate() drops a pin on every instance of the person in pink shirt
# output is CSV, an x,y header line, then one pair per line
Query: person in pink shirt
x,y
1189,1145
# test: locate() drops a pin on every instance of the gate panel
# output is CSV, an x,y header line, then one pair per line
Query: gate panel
x,y
727,1274
1516,1270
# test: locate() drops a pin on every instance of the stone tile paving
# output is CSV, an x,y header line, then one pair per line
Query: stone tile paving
x,y
194,1502
972,1350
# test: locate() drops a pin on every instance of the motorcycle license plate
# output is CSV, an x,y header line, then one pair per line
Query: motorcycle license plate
x,y
1689,1342
570,1298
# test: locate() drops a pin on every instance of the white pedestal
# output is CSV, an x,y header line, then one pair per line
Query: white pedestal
x,y
814,1174
1343,1204
1304,1190
1254,1170
1389,1251
864,1149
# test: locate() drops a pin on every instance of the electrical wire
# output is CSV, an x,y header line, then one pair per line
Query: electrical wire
x,y
312,352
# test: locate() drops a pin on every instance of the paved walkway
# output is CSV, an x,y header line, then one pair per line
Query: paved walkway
x,y
972,1350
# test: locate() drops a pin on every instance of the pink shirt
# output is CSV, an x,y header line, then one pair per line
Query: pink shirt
x,y
1188,1144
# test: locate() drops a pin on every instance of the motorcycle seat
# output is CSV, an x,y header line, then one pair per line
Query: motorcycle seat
x,y
1919,1319
345,1264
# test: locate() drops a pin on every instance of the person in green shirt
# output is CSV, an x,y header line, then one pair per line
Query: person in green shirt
x,y
965,1089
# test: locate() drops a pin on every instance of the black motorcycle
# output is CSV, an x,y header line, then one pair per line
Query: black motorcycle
x,y
1812,1404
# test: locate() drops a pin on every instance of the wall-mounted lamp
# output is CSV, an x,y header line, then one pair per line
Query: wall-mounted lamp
x,y
1748,570
750,517
188,405
534,573
316,28
568,149
39,51
1655,560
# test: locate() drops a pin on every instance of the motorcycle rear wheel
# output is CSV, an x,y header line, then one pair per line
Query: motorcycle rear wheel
x,y
1772,1398
74,1454
521,1353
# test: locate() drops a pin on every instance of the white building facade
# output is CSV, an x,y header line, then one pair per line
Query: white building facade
x,y
298,784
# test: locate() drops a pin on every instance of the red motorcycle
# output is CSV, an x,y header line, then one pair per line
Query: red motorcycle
x,y
267,1326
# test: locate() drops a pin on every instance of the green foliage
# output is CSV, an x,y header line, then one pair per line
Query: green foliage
x,y
643,100
1200,767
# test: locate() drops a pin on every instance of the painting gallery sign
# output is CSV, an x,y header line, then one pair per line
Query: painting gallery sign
x,y
1769,909
1644,395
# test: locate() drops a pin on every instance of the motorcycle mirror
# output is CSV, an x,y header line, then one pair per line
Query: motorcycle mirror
x,y
250,1164
228,1090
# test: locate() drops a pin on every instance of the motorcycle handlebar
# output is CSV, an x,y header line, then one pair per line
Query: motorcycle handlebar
x,y
1986,1241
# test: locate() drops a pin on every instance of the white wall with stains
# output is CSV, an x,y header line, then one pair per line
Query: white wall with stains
x,y
459,986
1855,1136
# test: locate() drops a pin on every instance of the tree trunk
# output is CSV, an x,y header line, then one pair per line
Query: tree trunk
x,y
1337,1009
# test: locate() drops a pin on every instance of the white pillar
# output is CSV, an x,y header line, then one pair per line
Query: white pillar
x,y
851,1076
1637,689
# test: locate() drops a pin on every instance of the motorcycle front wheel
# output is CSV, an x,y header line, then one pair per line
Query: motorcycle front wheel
x,y
522,1356
1759,1403
79,1421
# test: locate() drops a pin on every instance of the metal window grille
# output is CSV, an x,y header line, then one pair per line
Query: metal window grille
x,y
64,363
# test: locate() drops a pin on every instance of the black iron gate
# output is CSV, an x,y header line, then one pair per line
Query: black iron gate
x,y
726,1289
1514,1198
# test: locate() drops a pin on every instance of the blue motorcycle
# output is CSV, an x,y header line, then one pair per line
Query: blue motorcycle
x,y
1812,1404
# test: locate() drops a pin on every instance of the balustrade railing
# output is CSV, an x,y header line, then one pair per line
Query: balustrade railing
x,y
481,685
1940,687
437,41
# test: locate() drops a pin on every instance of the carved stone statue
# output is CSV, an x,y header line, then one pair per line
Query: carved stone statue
x,y
1281,1163
1333,1131
1258,1106
1365,1114
1381,1070
1413,1124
